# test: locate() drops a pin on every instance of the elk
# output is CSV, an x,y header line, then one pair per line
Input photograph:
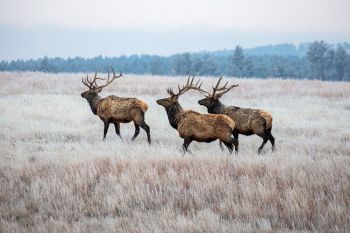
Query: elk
x,y
248,121
114,109
194,126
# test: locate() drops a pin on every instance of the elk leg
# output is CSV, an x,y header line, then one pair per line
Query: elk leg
x,y
265,139
235,141
271,138
187,142
105,130
117,129
137,131
144,126
229,146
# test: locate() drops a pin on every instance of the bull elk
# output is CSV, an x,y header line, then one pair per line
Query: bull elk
x,y
248,121
114,109
194,126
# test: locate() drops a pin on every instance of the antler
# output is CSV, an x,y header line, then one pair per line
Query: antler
x,y
190,84
92,85
224,89
110,81
86,82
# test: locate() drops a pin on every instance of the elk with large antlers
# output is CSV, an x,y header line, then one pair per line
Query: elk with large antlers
x,y
194,126
114,109
248,121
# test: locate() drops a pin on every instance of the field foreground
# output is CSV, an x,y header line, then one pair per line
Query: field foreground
x,y
57,175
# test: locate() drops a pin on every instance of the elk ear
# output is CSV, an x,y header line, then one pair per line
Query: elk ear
x,y
98,90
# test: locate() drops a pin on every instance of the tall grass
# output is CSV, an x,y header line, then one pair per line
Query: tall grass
x,y
57,175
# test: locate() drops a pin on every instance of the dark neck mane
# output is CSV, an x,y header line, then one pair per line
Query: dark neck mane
x,y
174,113
216,108
93,102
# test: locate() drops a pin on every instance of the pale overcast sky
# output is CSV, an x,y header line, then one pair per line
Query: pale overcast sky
x,y
34,28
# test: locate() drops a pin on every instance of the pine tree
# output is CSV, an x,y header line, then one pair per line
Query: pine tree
x,y
316,55
238,61
341,60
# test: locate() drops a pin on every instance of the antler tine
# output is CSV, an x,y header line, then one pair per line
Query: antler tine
x,y
216,87
226,90
181,89
95,79
198,86
185,87
121,73
170,92
87,79
198,83
191,84
87,82
189,77
84,82
217,84
91,84
222,88
94,82
109,81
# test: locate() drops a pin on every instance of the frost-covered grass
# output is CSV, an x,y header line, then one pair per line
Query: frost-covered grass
x,y
57,175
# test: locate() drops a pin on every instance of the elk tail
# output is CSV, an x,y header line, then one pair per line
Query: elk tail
x,y
143,106
268,122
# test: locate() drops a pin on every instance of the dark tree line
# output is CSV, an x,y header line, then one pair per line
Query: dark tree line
x,y
328,63
319,61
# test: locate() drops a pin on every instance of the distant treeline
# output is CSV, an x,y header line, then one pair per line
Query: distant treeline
x,y
317,60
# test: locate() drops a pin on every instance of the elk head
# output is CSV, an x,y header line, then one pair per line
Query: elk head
x,y
172,100
212,98
93,87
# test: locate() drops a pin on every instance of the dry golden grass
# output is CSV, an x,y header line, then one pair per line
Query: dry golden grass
x,y
57,175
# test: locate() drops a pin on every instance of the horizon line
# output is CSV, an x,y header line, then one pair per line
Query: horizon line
x,y
296,45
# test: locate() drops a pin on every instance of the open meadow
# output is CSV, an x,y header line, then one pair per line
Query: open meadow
x,y
58,175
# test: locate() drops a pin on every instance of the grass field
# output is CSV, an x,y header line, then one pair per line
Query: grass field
x,y
57,175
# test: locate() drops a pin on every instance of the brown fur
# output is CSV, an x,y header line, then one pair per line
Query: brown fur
x,y
202,127
121,110
194,126
249,121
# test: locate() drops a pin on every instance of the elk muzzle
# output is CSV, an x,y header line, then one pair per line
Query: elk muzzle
x,y
161,102
202,102
84,94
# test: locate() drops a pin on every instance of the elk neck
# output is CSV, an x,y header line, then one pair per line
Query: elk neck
x,y
174,112
216,108
93,102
